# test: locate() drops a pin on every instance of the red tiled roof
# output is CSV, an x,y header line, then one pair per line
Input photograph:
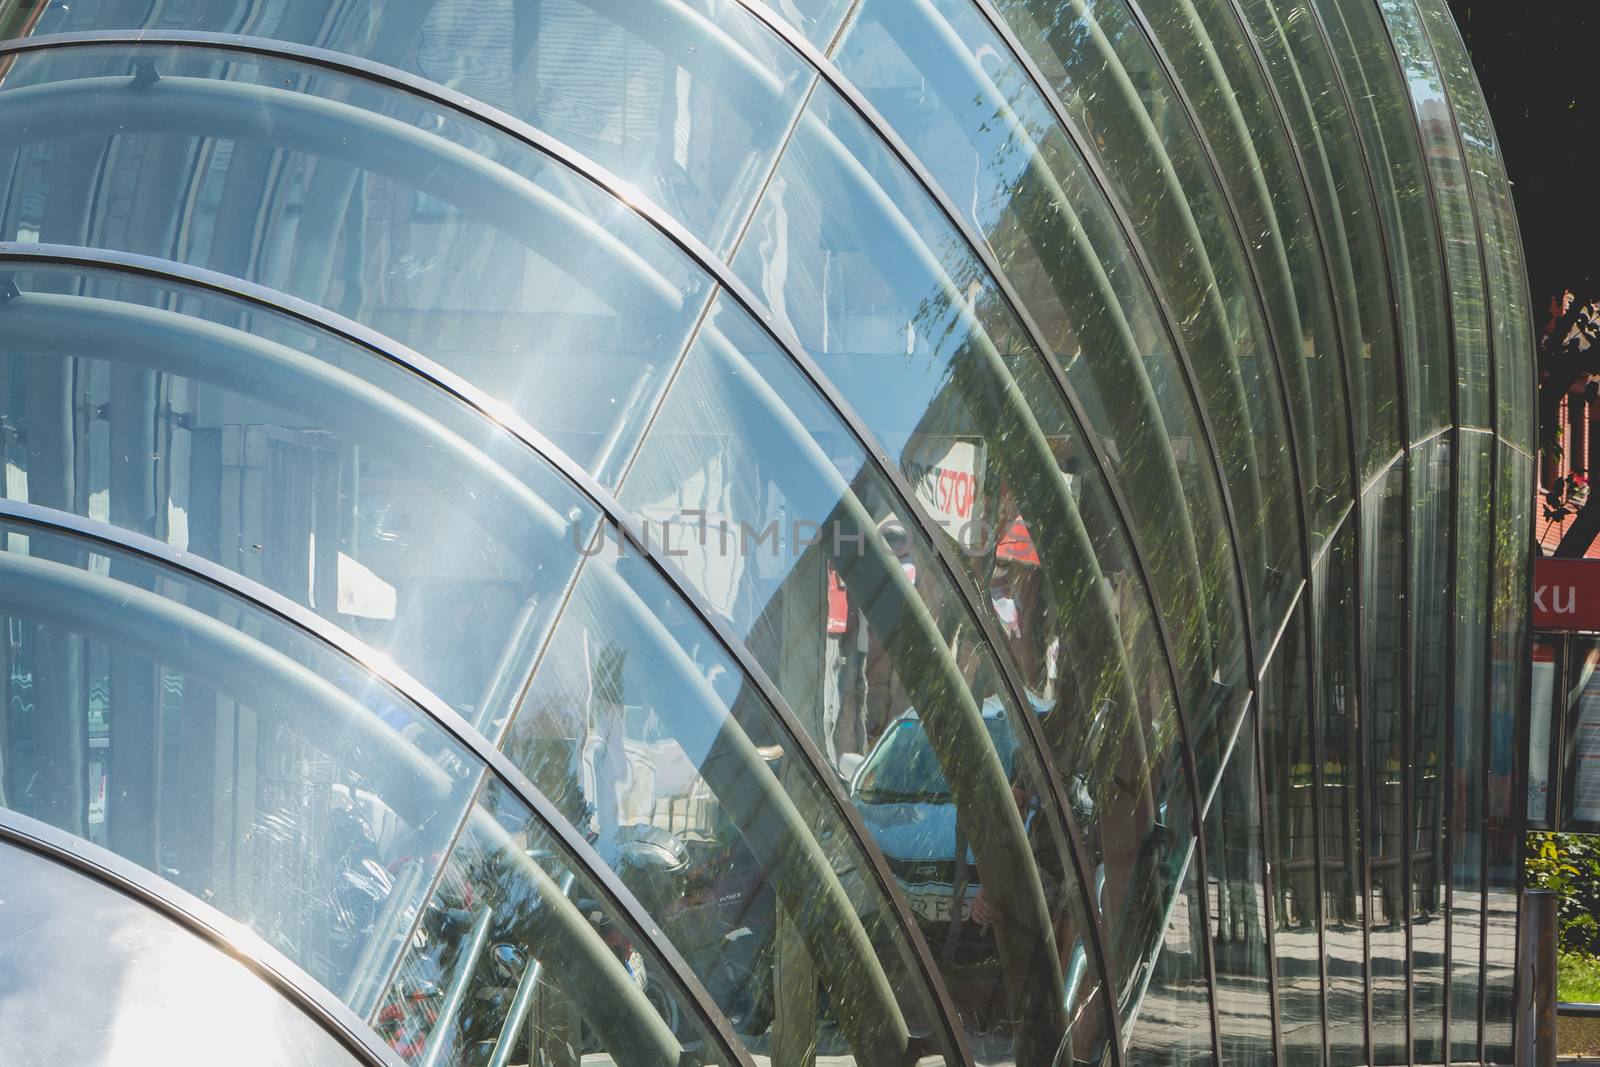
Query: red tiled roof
x,y
1548,534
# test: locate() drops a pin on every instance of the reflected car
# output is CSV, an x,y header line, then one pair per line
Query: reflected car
x,y
904,800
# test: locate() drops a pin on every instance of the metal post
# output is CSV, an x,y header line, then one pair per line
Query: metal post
x,y
1536,1030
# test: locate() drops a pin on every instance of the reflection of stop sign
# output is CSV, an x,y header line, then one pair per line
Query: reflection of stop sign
x,y
947,476
1566,594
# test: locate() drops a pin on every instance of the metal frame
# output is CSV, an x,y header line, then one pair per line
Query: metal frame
x,y
582,853
533,137
997,22
185,910
1353,516
445,379
1527,651
1060,808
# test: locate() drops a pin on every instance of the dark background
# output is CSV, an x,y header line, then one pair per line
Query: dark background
x,y
1537,62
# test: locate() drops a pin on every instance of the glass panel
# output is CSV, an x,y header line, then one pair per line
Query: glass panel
x,y
1507,280
787,528
1343,818
1289,762
516,958
1382,722
1172,1020
873,281
1389,132
152,984
1322,125
1432,605
1510,655
1437,122
1215,64
220,748
685,100
1580,791
819,20
306,463
1102,66
846,224
671,763
409,218
1545,720
1238,899
934,70
1466,818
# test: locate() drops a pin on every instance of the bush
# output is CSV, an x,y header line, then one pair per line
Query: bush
x,y
1577,978
1569,865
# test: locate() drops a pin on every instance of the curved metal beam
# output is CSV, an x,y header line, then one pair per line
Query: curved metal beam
x,y
226,935
980,249
303,619
1491,346
521,130
1407,740
445,380
1168,317
1359,527
1354,516
1354,472
61,325
1274,342
1408,758
1312,623
1297,461
1479,1019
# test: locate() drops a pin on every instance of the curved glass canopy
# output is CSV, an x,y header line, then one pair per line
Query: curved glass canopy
x,y
722,531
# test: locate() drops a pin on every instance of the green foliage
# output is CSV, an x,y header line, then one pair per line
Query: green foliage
x,y
1577,977
1569,866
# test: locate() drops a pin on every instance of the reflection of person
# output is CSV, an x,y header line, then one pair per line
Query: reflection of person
x,y
885,696
1010,997
1005,604
844,694
1052,873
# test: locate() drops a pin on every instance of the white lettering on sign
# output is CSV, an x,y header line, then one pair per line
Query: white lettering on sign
x,y
1554,602
1566,594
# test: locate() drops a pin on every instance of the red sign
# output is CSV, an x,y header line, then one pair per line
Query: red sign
x,y
1017,545
1566,594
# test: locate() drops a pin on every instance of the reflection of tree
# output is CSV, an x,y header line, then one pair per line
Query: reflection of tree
x,y
1099,727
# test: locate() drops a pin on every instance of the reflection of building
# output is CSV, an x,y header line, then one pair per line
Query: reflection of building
x,y
1073,470
1566,471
